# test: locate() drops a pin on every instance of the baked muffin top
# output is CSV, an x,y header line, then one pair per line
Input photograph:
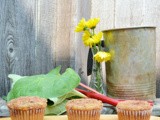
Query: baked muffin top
x,y
84,104
134,105
28,102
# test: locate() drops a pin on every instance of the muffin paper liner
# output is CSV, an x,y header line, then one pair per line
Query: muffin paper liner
x,y
133,114
32,114
83,114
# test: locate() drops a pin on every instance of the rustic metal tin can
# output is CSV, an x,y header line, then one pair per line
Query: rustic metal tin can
x,y
131,72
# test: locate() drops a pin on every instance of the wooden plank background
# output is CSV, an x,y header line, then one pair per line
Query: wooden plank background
x,y
37,35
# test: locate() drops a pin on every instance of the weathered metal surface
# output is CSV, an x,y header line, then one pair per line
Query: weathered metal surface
x,y
131,72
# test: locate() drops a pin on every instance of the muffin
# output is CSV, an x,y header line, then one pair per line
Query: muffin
x,y
134,110
84,109
27,108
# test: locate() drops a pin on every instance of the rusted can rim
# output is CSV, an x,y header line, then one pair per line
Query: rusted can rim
x,y
136,27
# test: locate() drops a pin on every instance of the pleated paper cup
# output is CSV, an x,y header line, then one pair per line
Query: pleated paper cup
x,y
84,109
134,110
27,108
33,114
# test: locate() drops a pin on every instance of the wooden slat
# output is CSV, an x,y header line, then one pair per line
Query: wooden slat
x,y
17,40
103,9
129,13
3,84
63,29
25,37
157,18
81,52
46,21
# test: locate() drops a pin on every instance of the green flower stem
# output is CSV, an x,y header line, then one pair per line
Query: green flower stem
x,y
96,77
99,46
94,50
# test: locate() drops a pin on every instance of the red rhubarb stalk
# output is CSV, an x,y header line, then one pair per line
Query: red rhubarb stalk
x,y
101,97
88,88
94,94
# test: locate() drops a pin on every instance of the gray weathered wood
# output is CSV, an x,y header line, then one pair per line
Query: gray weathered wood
x,y
81,52
157,18
105,11
17,40
63,29
45,35
29,38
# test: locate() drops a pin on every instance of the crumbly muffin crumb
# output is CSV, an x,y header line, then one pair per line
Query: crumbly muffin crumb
x,y
27,102
84,104
84,109
134,105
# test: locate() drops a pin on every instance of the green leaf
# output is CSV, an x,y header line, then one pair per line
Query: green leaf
x,y
56,88
46,86
67,82
55,71
56,110
59,103
58,100
15,78
10,96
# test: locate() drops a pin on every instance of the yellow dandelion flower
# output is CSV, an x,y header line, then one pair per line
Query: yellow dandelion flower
x,y
97,37
102,56
91,23
87,39
81,25
90,40
86,35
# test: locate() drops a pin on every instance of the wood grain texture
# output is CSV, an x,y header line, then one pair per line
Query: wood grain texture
x,y
81,52
129,13
157,17
17,33
4,85
24,37
45,33
105,11
63,29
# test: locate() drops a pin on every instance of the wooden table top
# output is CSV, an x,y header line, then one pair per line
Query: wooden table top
x,y
64,117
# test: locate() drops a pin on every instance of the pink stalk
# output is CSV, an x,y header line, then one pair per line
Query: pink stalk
x,y
88,88
99,96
